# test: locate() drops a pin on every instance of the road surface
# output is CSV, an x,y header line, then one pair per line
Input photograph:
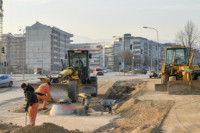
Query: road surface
x,y
13,98
184,117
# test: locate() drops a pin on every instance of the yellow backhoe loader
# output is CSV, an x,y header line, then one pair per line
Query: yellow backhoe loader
x,y
72,80
179,76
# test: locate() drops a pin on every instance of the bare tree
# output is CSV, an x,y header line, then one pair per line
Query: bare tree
x,y
128,56
189,36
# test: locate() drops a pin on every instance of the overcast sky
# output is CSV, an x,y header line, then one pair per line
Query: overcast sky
x,y
100,20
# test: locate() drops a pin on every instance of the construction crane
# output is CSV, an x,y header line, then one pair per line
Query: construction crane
x,y
1,36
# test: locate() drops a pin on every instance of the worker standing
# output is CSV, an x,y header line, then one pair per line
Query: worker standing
x,y
32,103
41,92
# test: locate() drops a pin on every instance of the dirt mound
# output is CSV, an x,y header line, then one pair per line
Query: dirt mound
x,y
44,128
121,89
137,116
142,116
7,128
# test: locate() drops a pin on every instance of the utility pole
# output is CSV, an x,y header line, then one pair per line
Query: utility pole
x,y
42,57
1,34
157,43
23,51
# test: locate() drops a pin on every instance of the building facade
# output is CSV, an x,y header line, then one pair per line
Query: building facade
x,y
14,57
46,46
109,57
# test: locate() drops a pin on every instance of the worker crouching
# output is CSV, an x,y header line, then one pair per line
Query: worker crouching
x,y
32,103
41,92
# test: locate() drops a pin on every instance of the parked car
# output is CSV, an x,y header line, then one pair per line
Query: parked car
x,y
153,74
104,70
6,80
98,71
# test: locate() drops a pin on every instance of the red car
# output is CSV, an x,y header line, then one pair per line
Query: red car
x,y
98,71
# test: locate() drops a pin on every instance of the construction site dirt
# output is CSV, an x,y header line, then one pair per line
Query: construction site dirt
x,y
138,109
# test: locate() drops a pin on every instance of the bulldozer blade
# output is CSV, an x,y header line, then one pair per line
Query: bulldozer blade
x,y
160,87
45,80
183,87
57,90
88,89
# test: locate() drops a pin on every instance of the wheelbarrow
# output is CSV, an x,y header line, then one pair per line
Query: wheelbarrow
x,y
107,104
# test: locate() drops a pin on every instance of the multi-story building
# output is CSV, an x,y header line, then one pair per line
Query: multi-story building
x,y
109,57
46,46
14,58
146,53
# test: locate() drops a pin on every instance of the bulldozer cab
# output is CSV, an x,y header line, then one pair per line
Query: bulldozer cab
x,y
78,58
181,56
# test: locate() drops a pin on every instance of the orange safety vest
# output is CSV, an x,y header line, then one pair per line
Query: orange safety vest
x,y
44,89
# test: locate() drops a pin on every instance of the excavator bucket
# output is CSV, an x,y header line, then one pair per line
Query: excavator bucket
x,y
184,87
57,90
180,87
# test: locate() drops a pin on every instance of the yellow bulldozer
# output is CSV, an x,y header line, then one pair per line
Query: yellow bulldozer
x,y
179,76
72,80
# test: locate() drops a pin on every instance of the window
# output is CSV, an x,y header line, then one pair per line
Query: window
x,y
181,56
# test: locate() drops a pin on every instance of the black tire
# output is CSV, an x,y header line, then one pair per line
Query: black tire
x,y
164,80
72,91
149,76
10,84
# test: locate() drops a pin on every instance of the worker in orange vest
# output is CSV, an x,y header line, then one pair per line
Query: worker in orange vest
x,y
31,103
41,92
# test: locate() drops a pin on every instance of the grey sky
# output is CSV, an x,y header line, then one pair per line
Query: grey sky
x,y
103,19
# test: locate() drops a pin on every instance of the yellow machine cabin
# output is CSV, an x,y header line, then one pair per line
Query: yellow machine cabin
x,y
178,74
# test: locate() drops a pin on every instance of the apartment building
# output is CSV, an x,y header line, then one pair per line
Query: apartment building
x,y
46,46
109,57
14,57
146,53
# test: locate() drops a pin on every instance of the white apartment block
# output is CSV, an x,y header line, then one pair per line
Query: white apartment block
x,y
46,46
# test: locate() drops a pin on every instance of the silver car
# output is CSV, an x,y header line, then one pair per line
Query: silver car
x,y
6,80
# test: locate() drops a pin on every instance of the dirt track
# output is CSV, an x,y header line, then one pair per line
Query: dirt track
x,y
184,117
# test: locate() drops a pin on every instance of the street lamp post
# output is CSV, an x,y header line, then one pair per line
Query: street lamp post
x,y
23,52
157,42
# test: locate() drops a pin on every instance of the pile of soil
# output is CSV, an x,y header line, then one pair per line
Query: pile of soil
x,y
7,128
44,128
142,116
137,116
121,89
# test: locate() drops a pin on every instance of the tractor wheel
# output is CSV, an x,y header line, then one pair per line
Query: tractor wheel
x,y
163,80
172,78
73,91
